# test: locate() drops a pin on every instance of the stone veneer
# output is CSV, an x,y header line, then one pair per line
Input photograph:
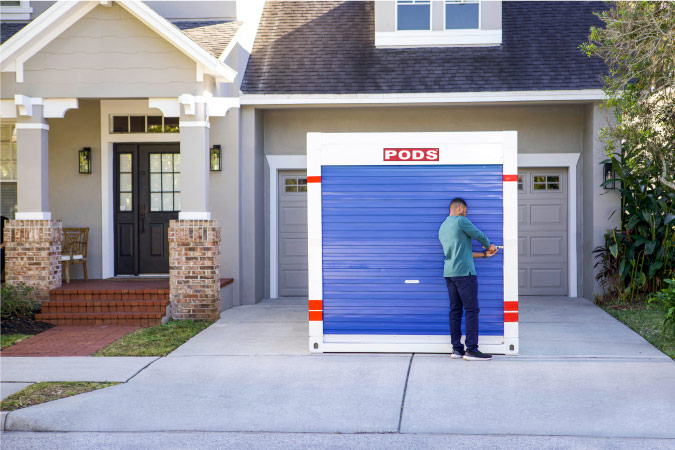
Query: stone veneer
x,y
194,269
33,254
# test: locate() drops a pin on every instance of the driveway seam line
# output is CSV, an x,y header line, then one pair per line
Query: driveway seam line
x,y
143,368
405,391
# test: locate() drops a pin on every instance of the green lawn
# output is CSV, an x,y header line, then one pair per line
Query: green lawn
x,y
159,340
7,340
648,322
46,392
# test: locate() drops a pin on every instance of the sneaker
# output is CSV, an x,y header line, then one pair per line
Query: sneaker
x,y
476,356
457,354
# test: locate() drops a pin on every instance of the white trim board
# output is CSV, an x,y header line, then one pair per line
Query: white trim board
x,y
570,161
277,163
586,95
122,107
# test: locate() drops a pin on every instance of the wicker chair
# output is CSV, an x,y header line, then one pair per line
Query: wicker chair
x,y
74,250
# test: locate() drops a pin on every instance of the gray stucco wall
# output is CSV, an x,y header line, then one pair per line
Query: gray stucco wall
x,y
75,199
107,53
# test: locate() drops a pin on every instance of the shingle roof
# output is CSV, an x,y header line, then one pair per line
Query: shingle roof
x,y
9,29
211,36
328,47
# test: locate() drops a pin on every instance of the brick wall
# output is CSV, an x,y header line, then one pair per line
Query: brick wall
x,y
33,254
194,260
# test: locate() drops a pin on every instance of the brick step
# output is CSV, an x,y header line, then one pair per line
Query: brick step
x,y
109,294
142,319
87,306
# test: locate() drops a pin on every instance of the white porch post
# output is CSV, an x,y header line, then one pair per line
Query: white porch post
x,y
194,157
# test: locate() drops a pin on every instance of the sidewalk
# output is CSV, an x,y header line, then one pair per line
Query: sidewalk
x,y
582,373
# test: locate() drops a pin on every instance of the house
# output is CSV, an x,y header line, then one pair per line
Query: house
x,y
159,91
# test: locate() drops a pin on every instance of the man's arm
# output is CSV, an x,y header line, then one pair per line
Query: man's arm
x,y
473,232
486,254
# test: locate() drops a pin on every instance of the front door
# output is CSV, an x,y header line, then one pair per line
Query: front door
x,y
147,197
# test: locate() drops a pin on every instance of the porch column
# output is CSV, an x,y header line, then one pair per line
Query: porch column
x,y
33,240
194,239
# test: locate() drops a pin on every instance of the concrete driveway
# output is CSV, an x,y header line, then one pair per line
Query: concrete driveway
x,y
581,373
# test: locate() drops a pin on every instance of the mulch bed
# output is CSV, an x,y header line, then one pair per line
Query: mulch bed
x,y
24,325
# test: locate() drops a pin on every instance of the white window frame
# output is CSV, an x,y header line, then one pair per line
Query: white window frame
x,y
20,12
480,10
414,2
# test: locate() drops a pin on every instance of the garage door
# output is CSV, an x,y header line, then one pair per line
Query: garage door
x,y
292,233
382,261
542,231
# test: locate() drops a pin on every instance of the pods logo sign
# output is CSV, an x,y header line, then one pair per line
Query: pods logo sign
x,y
411,154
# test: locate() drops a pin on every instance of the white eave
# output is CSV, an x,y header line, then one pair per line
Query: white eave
x,y
60,16
586,95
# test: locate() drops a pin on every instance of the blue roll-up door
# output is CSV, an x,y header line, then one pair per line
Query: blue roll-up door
x,y
380,228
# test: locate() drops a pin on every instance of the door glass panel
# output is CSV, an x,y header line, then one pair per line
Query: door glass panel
x,y
125,162
164,182
125,182
125,201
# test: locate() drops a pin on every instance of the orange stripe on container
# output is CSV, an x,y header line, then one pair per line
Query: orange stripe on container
x,y
510,306
509,317
510,177
314,179
315,305
315,316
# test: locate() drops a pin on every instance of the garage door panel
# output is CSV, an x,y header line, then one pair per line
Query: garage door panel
x,y
292,232
542,231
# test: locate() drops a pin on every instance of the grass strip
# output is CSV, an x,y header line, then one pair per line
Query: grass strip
x,y
647,322
46,392
159,340
7,340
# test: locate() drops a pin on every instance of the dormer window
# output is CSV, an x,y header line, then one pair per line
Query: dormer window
x,y
438,23
413,15
462,15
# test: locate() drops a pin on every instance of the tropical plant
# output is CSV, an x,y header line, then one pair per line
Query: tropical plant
x,y
17,300
666,298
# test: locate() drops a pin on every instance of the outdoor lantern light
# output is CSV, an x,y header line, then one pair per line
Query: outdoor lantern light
x,y
609,175
85,160
216,159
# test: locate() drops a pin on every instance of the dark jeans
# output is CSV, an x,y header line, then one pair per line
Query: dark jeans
x,y
463,293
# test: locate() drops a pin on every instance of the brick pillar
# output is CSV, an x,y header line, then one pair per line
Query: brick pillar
x,y
33,254
194,260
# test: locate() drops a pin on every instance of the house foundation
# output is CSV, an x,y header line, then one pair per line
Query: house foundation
x,y
194,272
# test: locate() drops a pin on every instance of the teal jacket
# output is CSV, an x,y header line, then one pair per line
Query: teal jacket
x,y
455,235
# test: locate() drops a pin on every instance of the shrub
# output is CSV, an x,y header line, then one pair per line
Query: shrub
x,y
17,300
666,297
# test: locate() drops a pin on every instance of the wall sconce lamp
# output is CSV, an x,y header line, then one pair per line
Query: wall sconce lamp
x,y
85,160
216,159
609,176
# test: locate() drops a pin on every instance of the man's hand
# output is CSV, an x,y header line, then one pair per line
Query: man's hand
x,y
491,251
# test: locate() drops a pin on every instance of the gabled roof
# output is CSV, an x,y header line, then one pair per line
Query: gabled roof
x,y
214,37
328,48
32,37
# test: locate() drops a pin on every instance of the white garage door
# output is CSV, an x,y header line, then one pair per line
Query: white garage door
x,y
542,231
292,233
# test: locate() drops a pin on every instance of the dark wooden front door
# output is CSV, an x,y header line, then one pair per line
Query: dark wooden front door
x,y
147,197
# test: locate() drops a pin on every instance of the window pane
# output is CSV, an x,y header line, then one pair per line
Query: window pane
x,y
5,151
291,181
176,202
302,188
156,202
6,170
155,162
6,133
539,186
461,16
413,17
125,182
540,179
176,182
176,162
125,162
553,179
154,124
553,187
302,181
120,124
291,189
167,162
125,201
167,182
171,125
167,202
155,182
137,124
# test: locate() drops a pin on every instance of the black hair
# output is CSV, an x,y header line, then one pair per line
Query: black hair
x,y
457,201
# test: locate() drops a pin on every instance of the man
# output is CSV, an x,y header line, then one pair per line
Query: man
x,y
459,271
